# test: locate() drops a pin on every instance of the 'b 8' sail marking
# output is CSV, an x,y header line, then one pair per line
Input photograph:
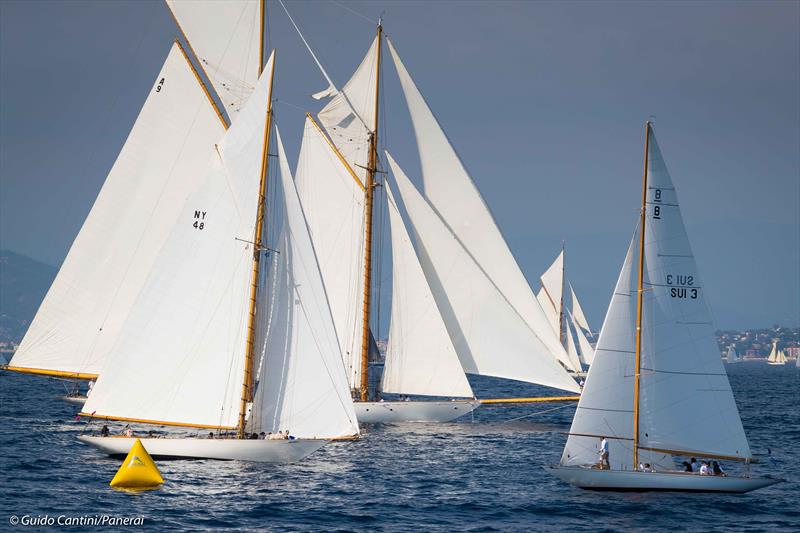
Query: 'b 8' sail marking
x,y
199,217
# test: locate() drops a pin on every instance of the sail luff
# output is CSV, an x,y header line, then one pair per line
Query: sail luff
x,y
639,294
370,198
247,382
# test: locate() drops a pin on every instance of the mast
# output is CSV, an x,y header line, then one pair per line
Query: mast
x,y
247,385
639,290
370,193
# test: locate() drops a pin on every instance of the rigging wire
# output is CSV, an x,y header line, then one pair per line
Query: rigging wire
x,y
353,11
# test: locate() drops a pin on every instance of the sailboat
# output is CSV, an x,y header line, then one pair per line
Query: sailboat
x,y
163,158
435,336
657,388
776,356
563,317
732,357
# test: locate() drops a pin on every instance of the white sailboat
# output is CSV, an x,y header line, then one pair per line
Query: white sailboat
x,y
732,357
565,314
657,388
776,356
432,340
163,158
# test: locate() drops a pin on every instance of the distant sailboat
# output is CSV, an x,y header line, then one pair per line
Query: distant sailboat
x,y
426,356
565,315
657,388
732,356
776,356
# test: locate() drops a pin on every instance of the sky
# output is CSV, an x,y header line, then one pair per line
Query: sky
x,y
544,101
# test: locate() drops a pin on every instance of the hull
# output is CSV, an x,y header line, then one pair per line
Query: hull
x,y
417,411
262,451
623,480
80,400
778,364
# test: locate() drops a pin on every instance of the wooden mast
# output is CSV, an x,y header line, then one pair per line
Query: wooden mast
x,y
370,193
639,294
247,385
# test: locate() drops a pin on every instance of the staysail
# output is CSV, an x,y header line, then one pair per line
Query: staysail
x,y
333,201
303,385
228,38
453,194
179,358
165,156
420,357
489,336
681,371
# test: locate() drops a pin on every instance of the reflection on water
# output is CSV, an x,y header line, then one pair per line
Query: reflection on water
x,y
483,471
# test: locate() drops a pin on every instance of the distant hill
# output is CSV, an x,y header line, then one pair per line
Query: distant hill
x,y
23,284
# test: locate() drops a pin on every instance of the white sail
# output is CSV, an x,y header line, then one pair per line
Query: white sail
x,y
226,36
420,357
587,352
303,387
731,356
781,357
489,335
333,202
553,288
686,400
577,310
164,157
349,117
180,355
572,350
456,199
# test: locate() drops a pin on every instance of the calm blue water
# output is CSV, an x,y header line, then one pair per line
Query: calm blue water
x,y
479,474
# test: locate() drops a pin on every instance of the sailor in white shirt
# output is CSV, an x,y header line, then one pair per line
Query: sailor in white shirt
x,y
704,471
604,463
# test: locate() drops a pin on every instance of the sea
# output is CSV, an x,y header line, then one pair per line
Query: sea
x,y
481,473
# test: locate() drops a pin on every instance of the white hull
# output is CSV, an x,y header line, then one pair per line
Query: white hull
x,y
416,411
263,451
625,480
80,400
778,364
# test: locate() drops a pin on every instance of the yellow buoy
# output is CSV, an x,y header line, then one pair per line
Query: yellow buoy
x,y
138,471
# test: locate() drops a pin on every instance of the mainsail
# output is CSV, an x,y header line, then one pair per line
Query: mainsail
x,y
164,157
489,336
681,371
455,198
333,201
303,387
180,355
420,357
731,356
228,38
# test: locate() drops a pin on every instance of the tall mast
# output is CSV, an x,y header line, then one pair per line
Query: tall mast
x,y
561,304
370,193
247,385
639,294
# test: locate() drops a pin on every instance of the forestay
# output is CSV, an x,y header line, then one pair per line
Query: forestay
x,y
226,36
686,399
490,338
453,194
180,356
606,404
349,117
333,202
303,386
164,157
420,357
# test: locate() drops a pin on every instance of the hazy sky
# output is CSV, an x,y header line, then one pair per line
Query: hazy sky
x,y
544,101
